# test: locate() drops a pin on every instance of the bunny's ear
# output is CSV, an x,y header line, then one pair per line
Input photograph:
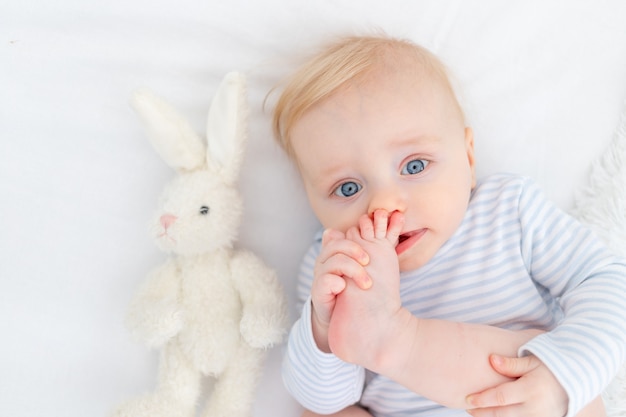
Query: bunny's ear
x,y
170,134
227,127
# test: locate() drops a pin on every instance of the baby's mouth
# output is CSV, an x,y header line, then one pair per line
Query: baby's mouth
x,y
408,239
408,235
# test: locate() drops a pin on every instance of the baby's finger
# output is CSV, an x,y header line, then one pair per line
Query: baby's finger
x,y
362,280
327,286
513,367
335,245
323,294
347,268
515,410
502,395
331,234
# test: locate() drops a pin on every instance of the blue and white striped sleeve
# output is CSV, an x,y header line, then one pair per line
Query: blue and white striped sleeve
x,y
319,381
588,346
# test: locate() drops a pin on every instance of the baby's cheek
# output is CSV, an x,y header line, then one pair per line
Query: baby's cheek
x,y
336,216
334,223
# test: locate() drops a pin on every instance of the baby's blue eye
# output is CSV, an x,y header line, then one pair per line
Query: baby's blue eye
x,y
347,189
414,166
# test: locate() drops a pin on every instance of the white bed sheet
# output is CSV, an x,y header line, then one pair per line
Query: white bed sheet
x,y
542,81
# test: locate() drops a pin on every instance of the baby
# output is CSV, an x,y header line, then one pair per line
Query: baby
x,y
424,273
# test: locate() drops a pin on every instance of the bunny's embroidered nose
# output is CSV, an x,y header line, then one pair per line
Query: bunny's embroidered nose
x,y
167,220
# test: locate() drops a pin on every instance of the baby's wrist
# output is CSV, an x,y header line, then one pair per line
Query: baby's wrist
x,y
320,332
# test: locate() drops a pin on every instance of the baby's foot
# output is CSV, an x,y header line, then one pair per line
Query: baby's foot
x,y
359,321
384,226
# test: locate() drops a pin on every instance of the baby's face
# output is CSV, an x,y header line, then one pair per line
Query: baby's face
x,y
388,144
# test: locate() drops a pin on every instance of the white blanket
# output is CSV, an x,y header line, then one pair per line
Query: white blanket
x,y
542,82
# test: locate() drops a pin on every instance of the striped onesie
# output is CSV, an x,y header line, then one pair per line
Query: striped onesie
x,y
516,262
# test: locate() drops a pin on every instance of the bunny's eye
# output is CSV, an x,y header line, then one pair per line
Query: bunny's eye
x,y
204,210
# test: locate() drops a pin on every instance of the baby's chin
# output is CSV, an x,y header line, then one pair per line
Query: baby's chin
x,y
410,262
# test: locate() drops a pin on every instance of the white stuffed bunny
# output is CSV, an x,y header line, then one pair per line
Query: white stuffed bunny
x,y
212,310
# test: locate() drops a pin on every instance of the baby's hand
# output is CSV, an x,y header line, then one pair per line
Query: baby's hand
x,y
339,260
361,319
535,392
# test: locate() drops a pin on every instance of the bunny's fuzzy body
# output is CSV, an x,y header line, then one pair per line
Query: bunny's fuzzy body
x,y
208,292
212,310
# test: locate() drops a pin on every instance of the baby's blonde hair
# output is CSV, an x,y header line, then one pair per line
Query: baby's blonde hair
x,y
349,59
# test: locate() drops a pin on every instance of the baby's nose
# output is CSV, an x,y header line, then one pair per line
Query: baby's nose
x,y
167,220
389,199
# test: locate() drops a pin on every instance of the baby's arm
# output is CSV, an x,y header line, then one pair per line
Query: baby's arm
x,y
586,348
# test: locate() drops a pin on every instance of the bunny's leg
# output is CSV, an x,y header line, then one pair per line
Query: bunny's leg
x,y
177,389
235,389
179,380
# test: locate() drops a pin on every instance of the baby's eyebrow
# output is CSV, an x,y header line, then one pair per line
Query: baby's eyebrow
x,y
415,140
324,176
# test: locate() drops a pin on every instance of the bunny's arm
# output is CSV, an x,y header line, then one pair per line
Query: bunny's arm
x,y
264,318
155,314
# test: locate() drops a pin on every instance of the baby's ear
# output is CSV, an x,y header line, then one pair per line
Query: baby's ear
x,y
170,134
469,147
227,127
